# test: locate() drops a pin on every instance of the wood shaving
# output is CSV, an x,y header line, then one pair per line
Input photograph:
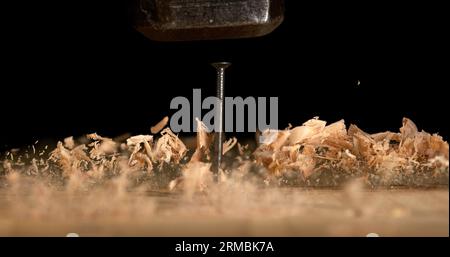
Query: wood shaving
x,y
69,143
228,145
135,145
169,147
204,141
160,125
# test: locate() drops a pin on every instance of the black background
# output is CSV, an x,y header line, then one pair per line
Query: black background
x,y
75,67
287,246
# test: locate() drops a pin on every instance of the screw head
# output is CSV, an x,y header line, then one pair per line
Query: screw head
x,y
221,65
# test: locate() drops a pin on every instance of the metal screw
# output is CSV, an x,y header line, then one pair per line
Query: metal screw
x,y
219,135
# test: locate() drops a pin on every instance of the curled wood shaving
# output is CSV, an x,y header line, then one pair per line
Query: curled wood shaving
x,y
169,147
308,131
135,145
228,145
204,140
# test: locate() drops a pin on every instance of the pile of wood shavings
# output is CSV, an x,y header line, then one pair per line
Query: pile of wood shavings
x,y
328,155
314,154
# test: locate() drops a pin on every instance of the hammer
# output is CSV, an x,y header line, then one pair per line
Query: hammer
x,y
185,20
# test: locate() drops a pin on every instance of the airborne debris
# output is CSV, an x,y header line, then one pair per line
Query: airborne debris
x,y
160,125
313,154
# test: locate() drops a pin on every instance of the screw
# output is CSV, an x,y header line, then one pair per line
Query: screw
x,y
219,135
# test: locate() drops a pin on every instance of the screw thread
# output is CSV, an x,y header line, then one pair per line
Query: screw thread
x,y
219,135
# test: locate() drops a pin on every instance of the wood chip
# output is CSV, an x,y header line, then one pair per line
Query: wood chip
x,y
160,125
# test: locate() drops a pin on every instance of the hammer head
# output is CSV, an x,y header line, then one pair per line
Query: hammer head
x,y
180,20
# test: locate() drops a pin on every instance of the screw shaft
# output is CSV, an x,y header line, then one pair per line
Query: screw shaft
x,y
219,134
